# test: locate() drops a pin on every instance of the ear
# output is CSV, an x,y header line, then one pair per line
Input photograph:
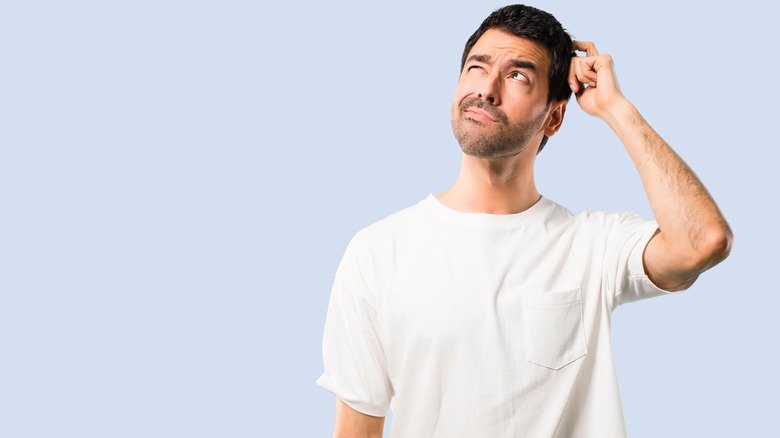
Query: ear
x,y
555,118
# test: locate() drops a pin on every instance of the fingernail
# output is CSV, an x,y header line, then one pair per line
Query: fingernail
x,y
573,88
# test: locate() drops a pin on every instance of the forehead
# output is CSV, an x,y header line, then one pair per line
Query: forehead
x,y
500,45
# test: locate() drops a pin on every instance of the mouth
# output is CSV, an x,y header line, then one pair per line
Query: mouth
x,y
479,115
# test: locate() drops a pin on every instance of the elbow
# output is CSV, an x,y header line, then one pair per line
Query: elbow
x,y
716,246
722,241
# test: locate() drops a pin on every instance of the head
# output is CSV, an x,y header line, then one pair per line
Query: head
x,y
512,36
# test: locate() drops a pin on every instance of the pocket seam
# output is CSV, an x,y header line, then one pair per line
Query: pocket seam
x,y
568,350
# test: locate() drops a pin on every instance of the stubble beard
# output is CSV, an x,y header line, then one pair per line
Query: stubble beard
x,y
502,140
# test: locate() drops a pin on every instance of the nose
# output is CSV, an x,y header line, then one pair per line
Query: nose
x,y
489,90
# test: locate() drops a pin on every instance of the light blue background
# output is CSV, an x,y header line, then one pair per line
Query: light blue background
x,y
179,180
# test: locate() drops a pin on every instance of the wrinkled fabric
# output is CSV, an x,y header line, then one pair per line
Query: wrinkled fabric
x,y
479,325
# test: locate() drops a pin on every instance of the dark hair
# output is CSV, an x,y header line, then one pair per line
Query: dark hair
x,y
538,26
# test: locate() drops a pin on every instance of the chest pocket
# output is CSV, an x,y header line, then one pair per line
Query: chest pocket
x,y
554,332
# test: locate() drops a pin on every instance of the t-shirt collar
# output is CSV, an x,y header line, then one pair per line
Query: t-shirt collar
x,y
531,215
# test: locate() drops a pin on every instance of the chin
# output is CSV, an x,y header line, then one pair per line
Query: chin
x,y
491,153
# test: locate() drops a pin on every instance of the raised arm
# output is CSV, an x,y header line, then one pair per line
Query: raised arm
x,y
693,234
353,424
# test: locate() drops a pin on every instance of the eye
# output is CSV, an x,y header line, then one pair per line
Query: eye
x,y
518,76
472,67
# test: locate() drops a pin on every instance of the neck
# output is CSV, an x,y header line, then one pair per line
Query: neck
x,y
493,186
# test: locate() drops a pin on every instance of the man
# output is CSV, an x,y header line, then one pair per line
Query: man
x,y
484,311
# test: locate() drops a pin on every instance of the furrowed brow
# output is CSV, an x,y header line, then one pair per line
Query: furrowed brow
x,y
485,59
518,63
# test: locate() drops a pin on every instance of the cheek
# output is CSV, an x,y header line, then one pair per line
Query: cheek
x,y
459,95
525,102
463,89
454,110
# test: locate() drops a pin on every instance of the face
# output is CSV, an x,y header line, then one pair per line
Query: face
x,y
500,106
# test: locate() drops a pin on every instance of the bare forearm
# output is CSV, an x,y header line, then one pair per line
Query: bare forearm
x,y
353,424
687,216
693,235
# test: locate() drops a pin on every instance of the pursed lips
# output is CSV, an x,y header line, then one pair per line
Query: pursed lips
x,y
479,115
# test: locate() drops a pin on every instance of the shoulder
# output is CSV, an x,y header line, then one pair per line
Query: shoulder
x,y
557,212
371,250
559,218
607,219
392,225
599,224
378,239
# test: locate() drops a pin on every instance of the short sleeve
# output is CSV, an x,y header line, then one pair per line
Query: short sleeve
x,y
626,244
354,359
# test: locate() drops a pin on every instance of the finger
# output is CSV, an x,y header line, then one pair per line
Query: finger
x,y
580,91
583,71
589,73
585,46
576,68
578,75
582,75
574,84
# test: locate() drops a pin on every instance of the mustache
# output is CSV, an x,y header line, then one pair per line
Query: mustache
x,y
481,104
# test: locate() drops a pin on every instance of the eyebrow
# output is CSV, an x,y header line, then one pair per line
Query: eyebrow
x,y
517,63
485,59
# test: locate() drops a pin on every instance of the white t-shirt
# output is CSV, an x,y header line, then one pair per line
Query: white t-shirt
x,y
480,325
